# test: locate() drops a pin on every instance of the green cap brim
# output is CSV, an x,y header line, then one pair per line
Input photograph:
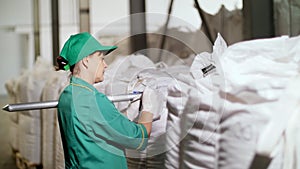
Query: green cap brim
x,y
107,49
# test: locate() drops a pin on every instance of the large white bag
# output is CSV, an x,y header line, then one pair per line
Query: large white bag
x,y
56,82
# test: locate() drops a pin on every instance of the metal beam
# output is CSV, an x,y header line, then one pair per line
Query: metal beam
x,y
138,37
55,29
36,28
163,38
204,24
84,15
259,20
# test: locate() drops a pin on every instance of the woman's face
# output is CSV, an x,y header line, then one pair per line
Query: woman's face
x,y
97,66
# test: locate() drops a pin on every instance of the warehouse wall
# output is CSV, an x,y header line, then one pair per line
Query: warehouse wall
x,y
15,42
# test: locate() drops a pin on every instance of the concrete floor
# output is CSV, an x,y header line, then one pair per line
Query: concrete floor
x,y
6,158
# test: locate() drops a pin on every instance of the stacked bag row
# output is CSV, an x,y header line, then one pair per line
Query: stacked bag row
x,y
34,134
241,103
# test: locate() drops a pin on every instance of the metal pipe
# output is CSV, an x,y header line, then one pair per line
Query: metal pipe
x,y
54,103
30,106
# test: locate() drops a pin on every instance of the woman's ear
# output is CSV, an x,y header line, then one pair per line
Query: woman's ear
x,y
85,62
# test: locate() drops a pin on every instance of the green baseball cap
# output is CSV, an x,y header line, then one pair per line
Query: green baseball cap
x,y
81,45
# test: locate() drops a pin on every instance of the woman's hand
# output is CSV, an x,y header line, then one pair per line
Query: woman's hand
x,y
152,102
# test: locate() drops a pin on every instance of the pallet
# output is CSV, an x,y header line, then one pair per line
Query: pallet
x,y
22,163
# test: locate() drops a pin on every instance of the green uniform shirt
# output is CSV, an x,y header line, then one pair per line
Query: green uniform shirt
x,y
94,133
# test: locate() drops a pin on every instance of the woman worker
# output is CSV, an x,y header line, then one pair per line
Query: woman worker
x,y
94,133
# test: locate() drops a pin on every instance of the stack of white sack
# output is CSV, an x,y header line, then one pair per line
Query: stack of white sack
x,y
52,151
30,86
257,73
283,128
284,123
192,122
11,88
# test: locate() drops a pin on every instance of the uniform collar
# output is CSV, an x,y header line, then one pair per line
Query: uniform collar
x,y
75,81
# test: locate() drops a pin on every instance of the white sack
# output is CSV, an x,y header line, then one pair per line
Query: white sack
x,y
257,73
198,130
283,122
14,135
59,158
292,140
56,82
258,69
30,86
176,101
192,131
200,116
30,138
11,88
